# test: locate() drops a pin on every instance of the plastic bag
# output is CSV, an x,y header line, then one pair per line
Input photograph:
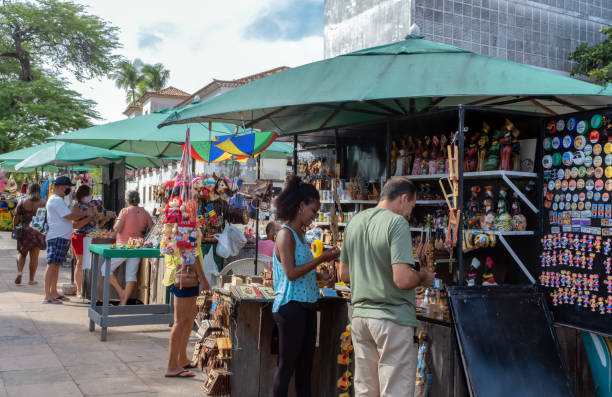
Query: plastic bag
x,y
237,239
224,249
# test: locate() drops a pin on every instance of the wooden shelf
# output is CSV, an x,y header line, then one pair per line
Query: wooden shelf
x,y
351,202
471,175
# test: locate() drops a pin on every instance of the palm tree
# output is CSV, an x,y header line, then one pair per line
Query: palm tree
x,y
129,76
155,76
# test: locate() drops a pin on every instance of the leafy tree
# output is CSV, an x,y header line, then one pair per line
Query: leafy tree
x,y
59,34
595,61
128,76
155,76
39,40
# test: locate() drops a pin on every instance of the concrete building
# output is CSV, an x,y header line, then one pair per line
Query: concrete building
x,y
153,101
541,33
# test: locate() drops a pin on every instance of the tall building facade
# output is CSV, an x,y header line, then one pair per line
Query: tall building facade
x,y
541,33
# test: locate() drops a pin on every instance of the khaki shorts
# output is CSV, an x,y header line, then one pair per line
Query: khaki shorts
x,y
385,358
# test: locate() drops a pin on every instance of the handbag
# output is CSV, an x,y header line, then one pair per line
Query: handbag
x,y
259,190
39,221
185,277
17,232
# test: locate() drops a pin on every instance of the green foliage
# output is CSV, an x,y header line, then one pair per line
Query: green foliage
x,y
59,34
38,41
32,111
595,61
137,78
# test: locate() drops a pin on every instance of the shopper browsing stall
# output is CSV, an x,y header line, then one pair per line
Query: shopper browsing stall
x,y
295,286
59,218
82,227
377,259
132,222
30,242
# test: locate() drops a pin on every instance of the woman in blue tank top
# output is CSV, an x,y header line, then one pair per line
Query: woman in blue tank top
x,y
295,286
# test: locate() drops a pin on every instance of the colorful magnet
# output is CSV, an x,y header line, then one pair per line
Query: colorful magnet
x,y
571,124
578,157
568,141
597,161
551,127
568,198
609,185
588,149
588,161
599,172
547,161
562,206
582,196
560,125
572,185
587,205
581,127
547,143
560,174
574,206
555,206
608,159
590,172
575,197
582,171
589,185
568,158
551,185
574,172
608,172
590,193
558,184
597,195
580,184
580,206
596,121
556,159
579,142
608,148
605,197
568,173
594,136
556,143
599,185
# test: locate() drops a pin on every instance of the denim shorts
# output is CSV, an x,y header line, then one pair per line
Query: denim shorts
x,y
186,292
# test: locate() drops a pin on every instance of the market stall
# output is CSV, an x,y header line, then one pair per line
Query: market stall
x,y
407,111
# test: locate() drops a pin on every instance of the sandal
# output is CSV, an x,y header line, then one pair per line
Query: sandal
x,y
190,366
52,302
18,279
62,298
181,374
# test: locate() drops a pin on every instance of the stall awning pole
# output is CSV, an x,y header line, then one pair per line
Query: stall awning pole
x,y
295,157
460,141
388,153
257,218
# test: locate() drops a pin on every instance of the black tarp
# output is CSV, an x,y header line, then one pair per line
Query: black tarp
x,y
507,342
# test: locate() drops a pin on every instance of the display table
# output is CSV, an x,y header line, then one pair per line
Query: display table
x,y
116,316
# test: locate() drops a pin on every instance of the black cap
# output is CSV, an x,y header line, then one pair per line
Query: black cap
x,y
63,181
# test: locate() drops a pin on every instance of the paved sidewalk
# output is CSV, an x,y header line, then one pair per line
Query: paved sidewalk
x,y
48,351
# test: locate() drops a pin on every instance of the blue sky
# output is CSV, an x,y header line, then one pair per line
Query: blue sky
x,y
200,40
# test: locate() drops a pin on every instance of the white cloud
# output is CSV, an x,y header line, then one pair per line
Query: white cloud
x,y
196,40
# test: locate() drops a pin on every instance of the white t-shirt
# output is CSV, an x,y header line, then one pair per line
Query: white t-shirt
x,y
58,225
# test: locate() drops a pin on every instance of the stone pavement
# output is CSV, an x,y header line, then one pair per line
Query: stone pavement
x,y
48,351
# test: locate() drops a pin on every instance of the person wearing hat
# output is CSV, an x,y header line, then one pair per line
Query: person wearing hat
x,y
59,219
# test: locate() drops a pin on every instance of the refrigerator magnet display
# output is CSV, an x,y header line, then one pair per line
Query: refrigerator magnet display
x,y
581,127
568,141
561,125
547,143
571,124
579,142
568,158
556,143
547,161
596,121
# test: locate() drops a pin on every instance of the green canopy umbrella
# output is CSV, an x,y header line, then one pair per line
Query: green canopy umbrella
x,y
141,135
392,80
10,166
67,154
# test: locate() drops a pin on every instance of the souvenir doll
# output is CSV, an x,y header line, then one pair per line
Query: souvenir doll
x,y
503,220
172,211
516,146
473,209
443,156
198,188
409,154
473,272
492,161
222,188
418,153
401,159
210,183
487,277
394,157
519,222
506,149
470,161
426,156
433,157
609,304
488,216
483,143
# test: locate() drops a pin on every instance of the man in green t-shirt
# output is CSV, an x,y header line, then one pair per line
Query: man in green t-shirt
x,y
377,259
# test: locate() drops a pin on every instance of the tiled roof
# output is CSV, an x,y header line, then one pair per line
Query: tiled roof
x,y
231,83
173,91
168,92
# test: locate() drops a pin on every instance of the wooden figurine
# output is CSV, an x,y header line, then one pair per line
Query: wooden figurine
x,y
433,157
410,154
418,153
492,161
469,163
516,146
483,143
425,156
506,149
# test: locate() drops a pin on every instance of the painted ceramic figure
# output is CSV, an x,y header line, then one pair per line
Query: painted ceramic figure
x,y
471,153
519,221
418,153
492,161
506,150
487,218
483,143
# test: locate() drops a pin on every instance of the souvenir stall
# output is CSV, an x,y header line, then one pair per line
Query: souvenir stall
x,y
475,149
